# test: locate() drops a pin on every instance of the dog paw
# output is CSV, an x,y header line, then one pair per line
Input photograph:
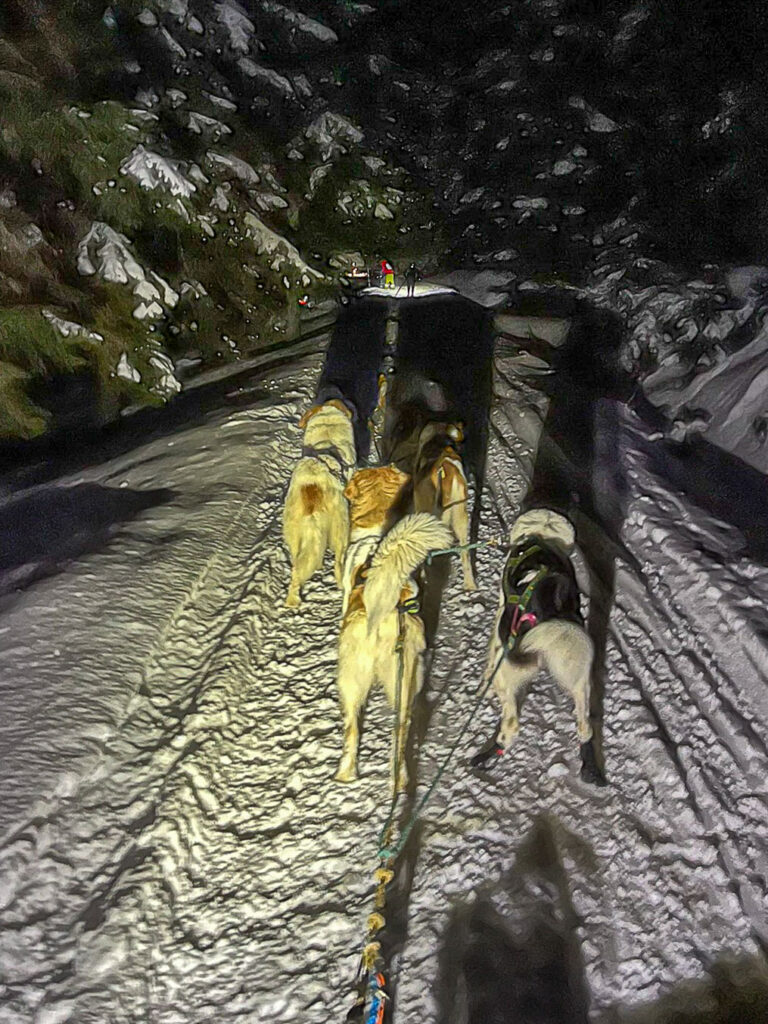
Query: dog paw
x,y
487,759
591,772
293,601
592,775
470,585
346,775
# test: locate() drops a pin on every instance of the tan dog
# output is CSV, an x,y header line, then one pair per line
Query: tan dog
x,y
374,496
440,485
382,611
316,516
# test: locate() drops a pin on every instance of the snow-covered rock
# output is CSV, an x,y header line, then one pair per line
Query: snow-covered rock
x,y
333,134
125,370
173,44
168,384
241,169
278,249
201,124
266,76
70,329
106,253
237,23
152,171
302,30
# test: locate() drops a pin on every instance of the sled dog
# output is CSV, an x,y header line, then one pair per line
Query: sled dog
x,y
315,516
382,636
440,484
375,496
549,627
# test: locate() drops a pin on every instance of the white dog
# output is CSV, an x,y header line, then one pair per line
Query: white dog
x,y
440,484
539,605
316,516
382,636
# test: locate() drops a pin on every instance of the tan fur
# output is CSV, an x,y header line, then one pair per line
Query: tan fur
x,y
316,516
311,498
334,403
366,660
372,494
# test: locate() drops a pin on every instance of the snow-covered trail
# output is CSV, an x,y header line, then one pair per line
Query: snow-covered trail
x,y
173,847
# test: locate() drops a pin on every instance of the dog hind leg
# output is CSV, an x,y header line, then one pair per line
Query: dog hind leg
x,y
355,678
411,683
567,652
338,536
454,500
306,543
512,677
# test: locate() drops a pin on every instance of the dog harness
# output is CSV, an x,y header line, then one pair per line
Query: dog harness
x,y
516,620
408,604
310,452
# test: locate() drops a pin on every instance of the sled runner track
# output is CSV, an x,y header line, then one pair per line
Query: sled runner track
x,y
715,806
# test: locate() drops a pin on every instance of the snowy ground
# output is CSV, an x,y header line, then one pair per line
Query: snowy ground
x,y
174,849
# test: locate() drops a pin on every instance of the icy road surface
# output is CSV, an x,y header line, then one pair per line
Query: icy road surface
x,y
174,850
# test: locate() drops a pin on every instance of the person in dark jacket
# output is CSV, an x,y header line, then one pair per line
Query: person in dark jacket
x,y
412,275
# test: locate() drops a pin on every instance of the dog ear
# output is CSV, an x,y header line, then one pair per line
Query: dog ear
x,y
307,416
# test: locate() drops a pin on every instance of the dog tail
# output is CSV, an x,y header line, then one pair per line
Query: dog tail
x,y
400,553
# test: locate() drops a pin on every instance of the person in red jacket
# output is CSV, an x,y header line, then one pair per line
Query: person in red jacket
x,y
388,273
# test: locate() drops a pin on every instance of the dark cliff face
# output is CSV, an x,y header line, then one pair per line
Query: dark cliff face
x,y
243,152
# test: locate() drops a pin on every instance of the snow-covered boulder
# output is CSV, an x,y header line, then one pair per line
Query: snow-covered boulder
x,y
70,329
125,370
201,124
151,171
240,169
297,29
106,253
239,26
167,384
278,249
332,134
266,77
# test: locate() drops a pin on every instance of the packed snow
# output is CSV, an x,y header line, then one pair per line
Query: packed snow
x,y
173,846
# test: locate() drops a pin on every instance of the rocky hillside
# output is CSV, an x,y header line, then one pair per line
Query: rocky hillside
x,y
175,173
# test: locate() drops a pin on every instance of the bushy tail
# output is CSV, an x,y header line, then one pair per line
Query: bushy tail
x,y
400,553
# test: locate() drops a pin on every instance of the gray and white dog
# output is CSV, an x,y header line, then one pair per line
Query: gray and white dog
x,y
539,625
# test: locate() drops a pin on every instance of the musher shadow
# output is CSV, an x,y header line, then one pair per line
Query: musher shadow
x,y
352,363
525,967
580,470
523,964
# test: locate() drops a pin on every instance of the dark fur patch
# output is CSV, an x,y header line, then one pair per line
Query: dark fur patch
x,y
311,498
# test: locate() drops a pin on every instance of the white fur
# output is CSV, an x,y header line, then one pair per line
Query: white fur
x,y
308,535
400,553
548,525
368,654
